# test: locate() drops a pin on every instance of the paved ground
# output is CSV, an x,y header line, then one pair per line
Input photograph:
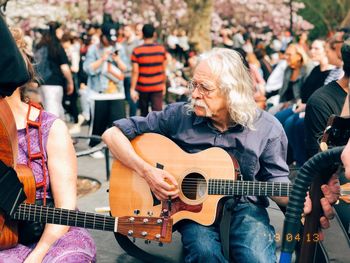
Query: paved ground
x,y
108,249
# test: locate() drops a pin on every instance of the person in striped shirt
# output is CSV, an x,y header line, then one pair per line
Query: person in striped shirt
x,y
148,72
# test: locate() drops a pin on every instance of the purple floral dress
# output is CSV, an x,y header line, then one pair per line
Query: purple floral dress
x,y
76,245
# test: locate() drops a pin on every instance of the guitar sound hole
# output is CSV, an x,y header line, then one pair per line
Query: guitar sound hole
x,y
194,186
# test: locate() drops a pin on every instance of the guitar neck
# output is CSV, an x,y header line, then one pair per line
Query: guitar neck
x,y
61,216
254,188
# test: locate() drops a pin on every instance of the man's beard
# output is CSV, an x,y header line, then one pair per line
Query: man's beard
x,y
203,105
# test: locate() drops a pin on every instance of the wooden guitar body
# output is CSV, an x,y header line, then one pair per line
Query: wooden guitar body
x,y
129,193
8,233
8,135
8,154
158,229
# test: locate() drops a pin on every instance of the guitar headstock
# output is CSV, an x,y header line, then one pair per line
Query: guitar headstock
x,y
336,133
345,193
150,228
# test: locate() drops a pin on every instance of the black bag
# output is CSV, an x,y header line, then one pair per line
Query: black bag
x,y
30,232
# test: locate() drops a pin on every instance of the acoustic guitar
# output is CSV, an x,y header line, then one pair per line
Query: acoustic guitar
x,y
204,179
149,228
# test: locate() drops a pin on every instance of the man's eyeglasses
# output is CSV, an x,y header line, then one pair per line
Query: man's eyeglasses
x,y
202,88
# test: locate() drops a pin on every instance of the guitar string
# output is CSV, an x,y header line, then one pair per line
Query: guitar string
x,y
212,185
88,218
81,217
66,221
276,185
274,188
76,216
78,219
251,184
238,188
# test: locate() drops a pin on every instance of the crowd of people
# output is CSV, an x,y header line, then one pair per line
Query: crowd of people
x,y
234,90
86,78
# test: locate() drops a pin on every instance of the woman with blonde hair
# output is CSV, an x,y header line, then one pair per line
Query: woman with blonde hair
x,y
294,76
55,173
294,123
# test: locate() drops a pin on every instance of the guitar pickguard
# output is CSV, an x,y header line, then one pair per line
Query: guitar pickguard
x,y
177,205
155,200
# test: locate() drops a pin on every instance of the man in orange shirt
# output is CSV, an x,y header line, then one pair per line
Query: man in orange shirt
x,y
148,72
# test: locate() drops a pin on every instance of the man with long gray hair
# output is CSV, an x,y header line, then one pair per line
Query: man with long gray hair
x,y
222,113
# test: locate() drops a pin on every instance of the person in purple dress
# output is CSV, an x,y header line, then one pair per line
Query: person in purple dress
x,y
56,243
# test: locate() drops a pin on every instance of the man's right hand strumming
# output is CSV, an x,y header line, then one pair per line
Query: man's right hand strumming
x,y
162,183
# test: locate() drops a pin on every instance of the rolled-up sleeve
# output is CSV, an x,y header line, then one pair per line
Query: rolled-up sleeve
x,y
91,57
273,160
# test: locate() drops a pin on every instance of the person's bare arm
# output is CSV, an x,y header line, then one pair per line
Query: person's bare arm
x,y
98,63
62,167
160,181
134,76
68,76
121,65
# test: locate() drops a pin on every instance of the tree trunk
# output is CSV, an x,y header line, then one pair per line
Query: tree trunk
x,y
199,17
346,21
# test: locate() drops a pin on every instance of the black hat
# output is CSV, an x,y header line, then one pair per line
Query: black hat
x,y
13,71
109,31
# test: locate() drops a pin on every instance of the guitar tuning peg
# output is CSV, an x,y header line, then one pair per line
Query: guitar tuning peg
x,y
133,240
165,212
147,241
160,244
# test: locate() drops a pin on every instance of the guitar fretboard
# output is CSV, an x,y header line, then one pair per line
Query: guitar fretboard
x,y
60,216
230,187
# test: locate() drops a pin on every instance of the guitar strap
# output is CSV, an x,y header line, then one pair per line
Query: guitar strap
x,y
225,224
37,155
226,216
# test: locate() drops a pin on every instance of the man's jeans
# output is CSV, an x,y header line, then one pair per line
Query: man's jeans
x,y
251,238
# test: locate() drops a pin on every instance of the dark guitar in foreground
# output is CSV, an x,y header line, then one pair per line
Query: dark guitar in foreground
x,y
149,228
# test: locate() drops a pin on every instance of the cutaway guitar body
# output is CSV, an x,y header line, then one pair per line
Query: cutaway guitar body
x,y
129,193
